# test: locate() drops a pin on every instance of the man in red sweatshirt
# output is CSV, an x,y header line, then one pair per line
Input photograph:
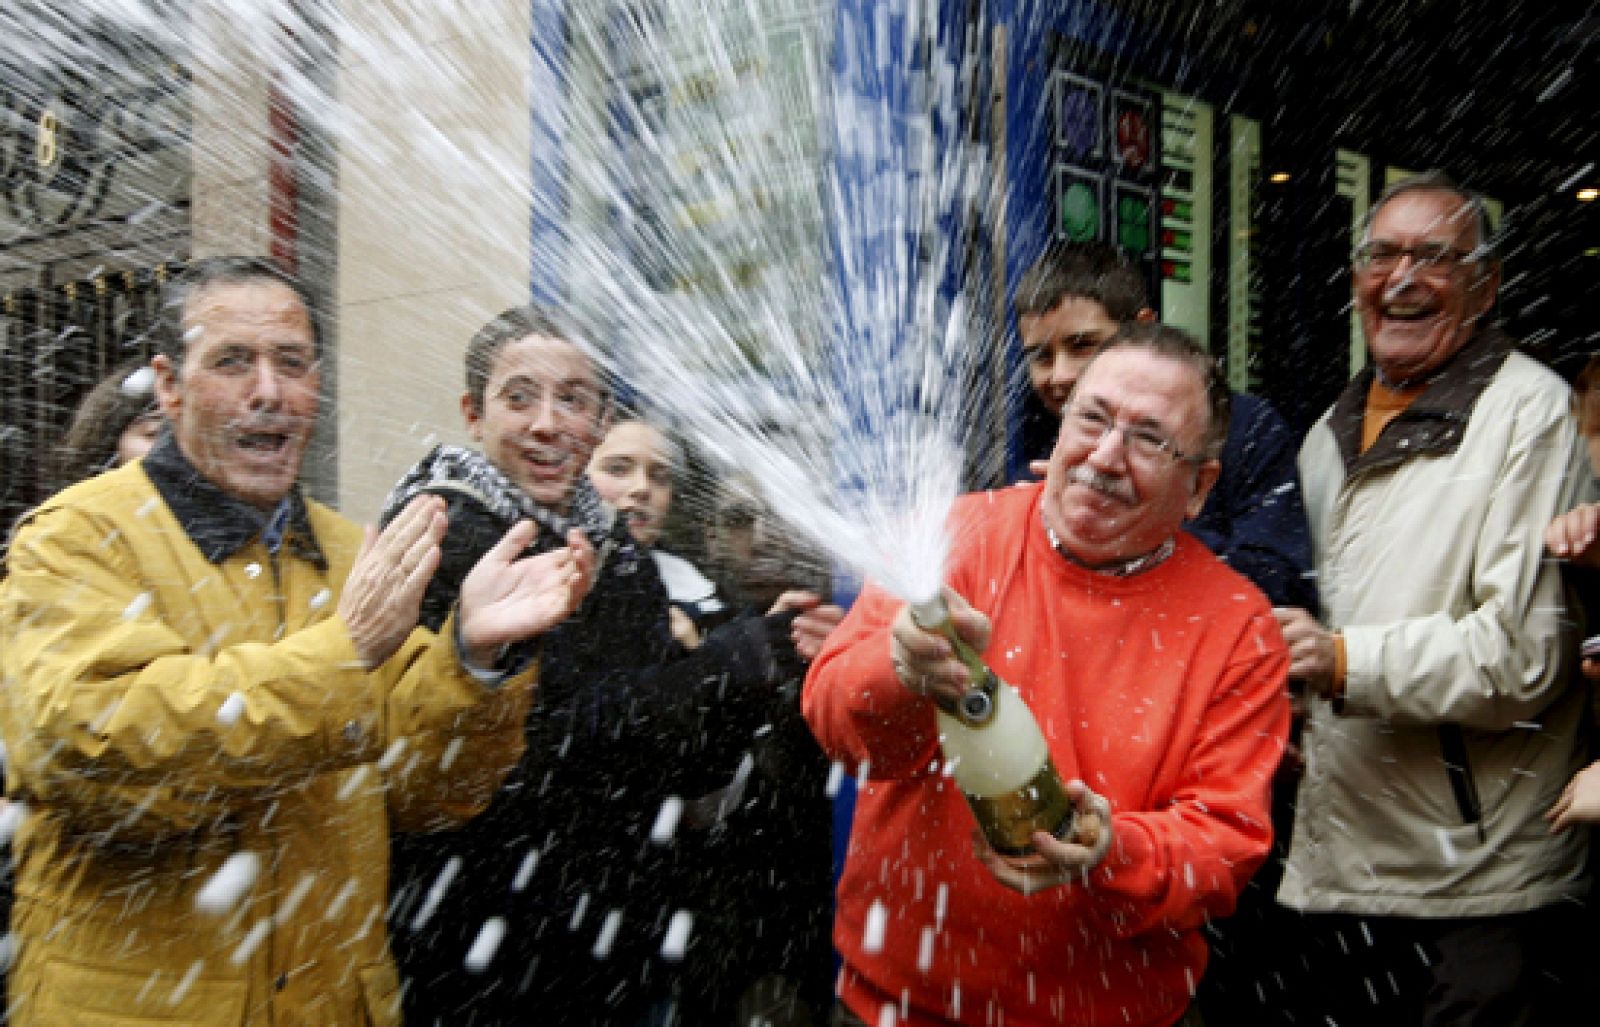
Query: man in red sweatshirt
x,y
1158,678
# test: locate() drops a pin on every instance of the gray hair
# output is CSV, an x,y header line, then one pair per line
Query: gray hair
x,y
211,271
1483,251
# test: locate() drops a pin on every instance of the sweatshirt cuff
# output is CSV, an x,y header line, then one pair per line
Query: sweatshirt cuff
x,y
492,677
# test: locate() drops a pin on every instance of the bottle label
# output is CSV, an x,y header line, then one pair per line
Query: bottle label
x,y
1009,821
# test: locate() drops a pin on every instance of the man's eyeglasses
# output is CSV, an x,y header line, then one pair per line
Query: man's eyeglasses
x,y
1384,257
1146,445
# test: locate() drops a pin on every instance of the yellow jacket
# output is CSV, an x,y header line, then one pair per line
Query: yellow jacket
x,y
179,726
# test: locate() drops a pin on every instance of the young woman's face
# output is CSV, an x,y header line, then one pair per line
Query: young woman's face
x,y
632,470
137,438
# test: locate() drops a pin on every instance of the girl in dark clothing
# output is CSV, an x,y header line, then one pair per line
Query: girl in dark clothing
x,y
755,854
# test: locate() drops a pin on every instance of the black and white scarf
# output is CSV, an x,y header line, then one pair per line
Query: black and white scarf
x,y
459,469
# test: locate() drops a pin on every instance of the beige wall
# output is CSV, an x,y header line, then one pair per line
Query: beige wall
x,y
433,223
229,151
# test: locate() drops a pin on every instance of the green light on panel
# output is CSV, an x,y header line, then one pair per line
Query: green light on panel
x,y
1133,224
1080,213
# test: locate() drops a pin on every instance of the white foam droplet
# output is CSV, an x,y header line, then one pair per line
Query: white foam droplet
x,y
485,945
138,605
676,943
231,710
141,381
252,570
11,815
608,934
835,780
229,884
391,755
530,863
441,884
876,927
667,818
189,977
252,941
320,600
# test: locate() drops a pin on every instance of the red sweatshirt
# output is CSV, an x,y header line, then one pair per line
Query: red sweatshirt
x,y
1164,692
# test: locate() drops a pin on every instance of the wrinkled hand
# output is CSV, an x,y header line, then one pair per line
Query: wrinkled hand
x,y
925,662
1572,535
1311,649
814,624
507,598
383,594
1579,802
1055,862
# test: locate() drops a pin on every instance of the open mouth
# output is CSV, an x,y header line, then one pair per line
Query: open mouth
x,y
267,443
1409,311
546,461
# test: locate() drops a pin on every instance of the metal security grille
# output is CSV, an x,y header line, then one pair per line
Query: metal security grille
x,y
55,344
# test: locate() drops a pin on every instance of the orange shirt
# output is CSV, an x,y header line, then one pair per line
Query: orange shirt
x,y
1384,404
1163,691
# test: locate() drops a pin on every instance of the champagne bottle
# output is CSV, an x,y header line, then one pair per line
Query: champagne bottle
x,y
998,754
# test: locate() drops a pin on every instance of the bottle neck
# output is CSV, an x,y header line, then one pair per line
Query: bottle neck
x,y
977,705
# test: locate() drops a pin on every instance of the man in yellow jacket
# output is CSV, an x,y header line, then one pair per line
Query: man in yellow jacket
x,y
216,700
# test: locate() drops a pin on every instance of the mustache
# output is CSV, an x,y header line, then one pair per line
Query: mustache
x,y
268,424
1105,484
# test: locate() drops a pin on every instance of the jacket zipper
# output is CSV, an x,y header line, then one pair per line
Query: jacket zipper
x,y
1458,766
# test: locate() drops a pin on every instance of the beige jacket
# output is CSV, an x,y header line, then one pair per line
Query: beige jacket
x,y
1425,788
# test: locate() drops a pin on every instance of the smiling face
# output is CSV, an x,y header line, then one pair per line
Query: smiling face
x,y
543,412
1059,344
633,471
1417,316
1108,500
243,402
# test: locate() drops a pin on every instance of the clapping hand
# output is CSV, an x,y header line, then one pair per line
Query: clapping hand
x,y
507,597
383,594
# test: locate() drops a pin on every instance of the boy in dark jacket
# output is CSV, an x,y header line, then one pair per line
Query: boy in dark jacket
x,y
562,903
